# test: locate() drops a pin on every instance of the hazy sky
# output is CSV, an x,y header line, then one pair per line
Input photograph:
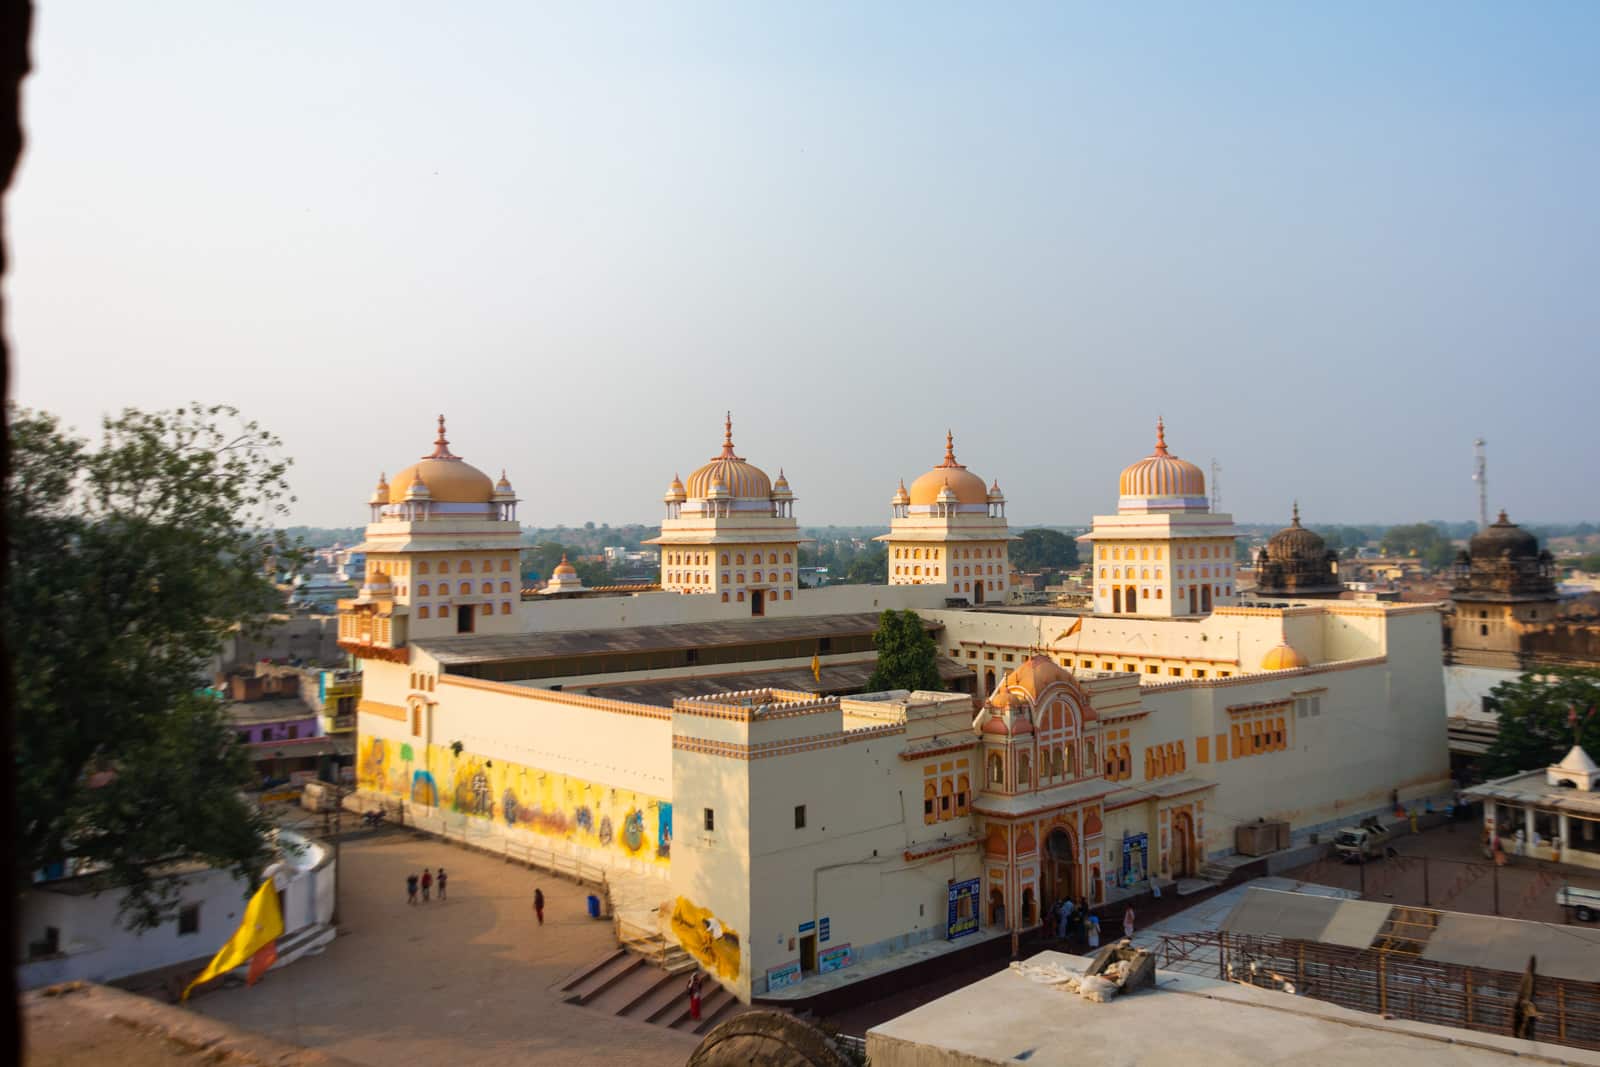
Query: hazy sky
x,y
1331,244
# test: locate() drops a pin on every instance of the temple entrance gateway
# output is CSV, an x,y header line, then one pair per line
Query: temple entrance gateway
x,y
1060,869
1183,852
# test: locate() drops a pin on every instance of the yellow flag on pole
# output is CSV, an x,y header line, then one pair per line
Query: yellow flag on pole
x,y
816,667
262,926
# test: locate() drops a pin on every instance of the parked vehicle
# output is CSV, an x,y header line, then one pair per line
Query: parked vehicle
x,y
1584,903
1368,840
373,818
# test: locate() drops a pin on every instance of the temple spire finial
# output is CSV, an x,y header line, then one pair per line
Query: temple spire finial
x,y
1161,436
1296,514
949,449
441,445
727,437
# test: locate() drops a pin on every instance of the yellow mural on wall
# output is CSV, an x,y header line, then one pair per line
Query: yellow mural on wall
x,y
537,801
704,937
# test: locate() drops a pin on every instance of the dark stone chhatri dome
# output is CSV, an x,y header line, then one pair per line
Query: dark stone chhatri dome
x,y
1297,563
1503,562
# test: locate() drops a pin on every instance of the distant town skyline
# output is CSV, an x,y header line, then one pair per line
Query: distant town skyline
x,y
1332,246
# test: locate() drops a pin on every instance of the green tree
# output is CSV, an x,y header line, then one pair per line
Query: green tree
x,y
907,656
1042,549
1536,712
129,562
1422,540
870,567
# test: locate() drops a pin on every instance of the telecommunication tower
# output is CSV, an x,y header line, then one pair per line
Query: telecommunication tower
x,y
1480,474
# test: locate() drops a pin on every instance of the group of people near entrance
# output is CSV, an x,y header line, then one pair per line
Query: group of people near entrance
x,y
1073,920
426,884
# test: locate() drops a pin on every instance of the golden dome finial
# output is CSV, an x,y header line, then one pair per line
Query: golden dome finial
x,y
1296,521
1161,436
949,450
441,445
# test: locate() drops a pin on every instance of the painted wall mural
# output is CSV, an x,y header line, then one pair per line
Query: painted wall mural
x,y
527,798
704,937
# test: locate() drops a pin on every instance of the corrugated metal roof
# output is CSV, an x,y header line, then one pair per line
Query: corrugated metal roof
x,y
484,648
1304,917
1505,945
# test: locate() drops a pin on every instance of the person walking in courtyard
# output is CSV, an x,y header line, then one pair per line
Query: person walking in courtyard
x,y
411,889
427,883
442,877
1065,919
1127,920
538,905
695,981
1094,931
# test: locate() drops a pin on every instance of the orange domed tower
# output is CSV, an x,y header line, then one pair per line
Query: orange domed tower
x,y
1164,553
443,557
730,531
950,529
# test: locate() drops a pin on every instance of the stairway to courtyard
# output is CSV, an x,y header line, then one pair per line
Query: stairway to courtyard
x,y
649,984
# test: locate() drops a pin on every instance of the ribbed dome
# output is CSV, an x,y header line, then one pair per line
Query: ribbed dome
x,y
1283,658
967,487
564,569
675,491
1504,538
741,480
449,479
1030,679
1163,474
1295,542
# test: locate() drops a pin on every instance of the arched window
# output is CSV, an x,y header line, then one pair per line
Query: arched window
x,y
772,557
724,595
422,590
1089,763
1057,763
1124,762
444,566
1066,757
1149,763
963,794
505,565
739,559
947,799
788,557
422,567
1024,777
930,804
505,587
487,589
465,589
724,559
422,612
466,566
997,769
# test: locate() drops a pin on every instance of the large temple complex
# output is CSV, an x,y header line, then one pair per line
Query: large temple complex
x,y
714,733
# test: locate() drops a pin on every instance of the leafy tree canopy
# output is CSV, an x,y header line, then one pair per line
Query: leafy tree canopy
x,y
1043,549
1422,540
129,562
1536,727
907,656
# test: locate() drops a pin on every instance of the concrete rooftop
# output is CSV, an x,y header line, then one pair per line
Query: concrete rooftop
x,y
1008,1018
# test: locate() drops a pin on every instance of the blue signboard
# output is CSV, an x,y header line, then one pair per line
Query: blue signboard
x,y
963,915
822,929
1135,854
808,926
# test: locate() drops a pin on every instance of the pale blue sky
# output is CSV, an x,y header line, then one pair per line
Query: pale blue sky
x,y
1332,244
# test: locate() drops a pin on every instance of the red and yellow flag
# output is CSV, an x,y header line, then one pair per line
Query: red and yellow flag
x,y
256,940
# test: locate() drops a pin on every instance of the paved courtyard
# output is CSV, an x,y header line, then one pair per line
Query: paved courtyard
x,y
470,980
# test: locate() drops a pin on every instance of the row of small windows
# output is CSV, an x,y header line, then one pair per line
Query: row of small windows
x,y
703,558
788,594
463,567
1161,761
1258,736
959,553
948,801
463,589
422,680
916,569
1119,763
1181,552
444,609
1054,762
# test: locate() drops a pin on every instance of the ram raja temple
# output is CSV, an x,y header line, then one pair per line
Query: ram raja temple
x,y
710,737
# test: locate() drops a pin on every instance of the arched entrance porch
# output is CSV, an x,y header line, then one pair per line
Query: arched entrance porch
x,y
1060,868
